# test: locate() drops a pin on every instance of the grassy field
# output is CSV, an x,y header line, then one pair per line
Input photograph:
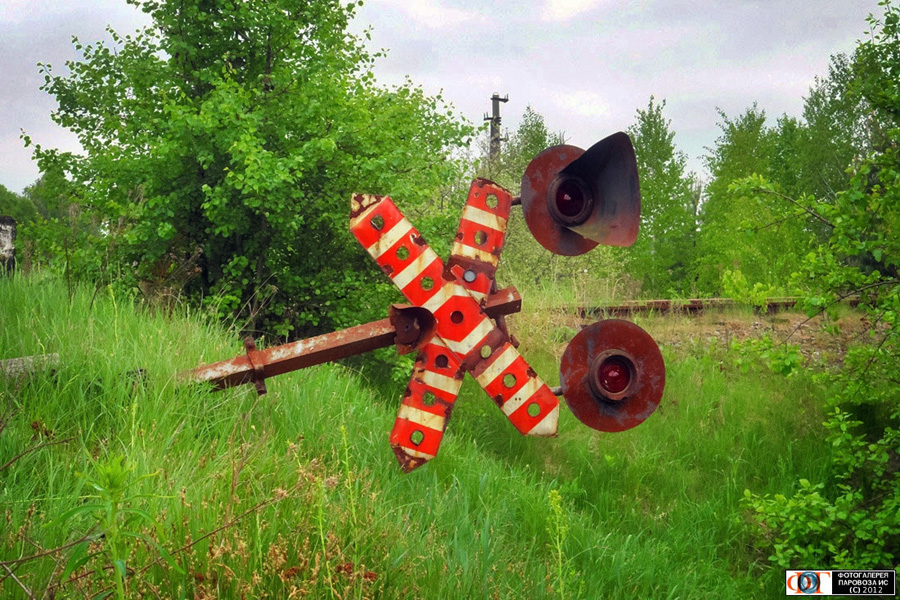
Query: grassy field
x,y
297,493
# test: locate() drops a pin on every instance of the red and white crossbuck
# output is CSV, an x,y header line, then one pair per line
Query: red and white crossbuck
x,y
466,339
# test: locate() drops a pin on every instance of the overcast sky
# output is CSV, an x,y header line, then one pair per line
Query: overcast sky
x,y
586,65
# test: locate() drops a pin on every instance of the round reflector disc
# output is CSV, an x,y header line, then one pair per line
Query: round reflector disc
x,y
642,387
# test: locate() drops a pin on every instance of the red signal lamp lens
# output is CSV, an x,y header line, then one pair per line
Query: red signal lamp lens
x,y
614,375
569,201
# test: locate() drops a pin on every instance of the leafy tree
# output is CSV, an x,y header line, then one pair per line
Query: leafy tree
x,y
740,232
664,250
13,205
530,138
852,519
222,145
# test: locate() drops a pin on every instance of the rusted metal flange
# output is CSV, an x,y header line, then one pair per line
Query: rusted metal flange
x,y
612,375
258,365
415,326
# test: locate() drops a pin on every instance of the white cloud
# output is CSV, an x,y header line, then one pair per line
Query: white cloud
x,y
431,13
16,11
584,103
565,10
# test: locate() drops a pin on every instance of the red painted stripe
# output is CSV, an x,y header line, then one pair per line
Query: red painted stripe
x,y
417,394
392,259
366,233
545,399
401,435
458,317
497,387
416,293
493,238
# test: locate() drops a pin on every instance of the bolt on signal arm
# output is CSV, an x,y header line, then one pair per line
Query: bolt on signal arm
x,y
612,373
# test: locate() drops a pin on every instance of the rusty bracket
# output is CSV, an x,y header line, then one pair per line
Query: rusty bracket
x,y
408,328
257,363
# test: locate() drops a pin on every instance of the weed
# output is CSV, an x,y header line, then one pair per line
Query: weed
x,y
116,519
558,529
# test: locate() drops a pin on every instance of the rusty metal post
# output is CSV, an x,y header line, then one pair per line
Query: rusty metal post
x,y
406,331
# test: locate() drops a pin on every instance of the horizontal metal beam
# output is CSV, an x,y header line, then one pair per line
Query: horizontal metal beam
x,y
257,365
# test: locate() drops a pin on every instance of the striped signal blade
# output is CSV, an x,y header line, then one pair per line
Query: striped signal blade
x,y
474,258
426,406
476,248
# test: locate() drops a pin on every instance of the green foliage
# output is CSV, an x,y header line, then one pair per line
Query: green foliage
x,y
735,286
781,358
838,126
117,519
558,530
15,206
664,251
852,518
222,146
740,231
530,139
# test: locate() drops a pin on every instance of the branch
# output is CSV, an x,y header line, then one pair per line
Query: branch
x,y
16,579
840,298
808,211
870,361
145,568
30,450
83,538
778,222
231,523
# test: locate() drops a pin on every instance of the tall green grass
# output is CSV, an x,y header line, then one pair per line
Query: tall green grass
x,y
297,494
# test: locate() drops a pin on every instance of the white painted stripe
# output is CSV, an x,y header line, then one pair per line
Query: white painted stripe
x,y
483,217
420,417
415,268
438,300
502,361
477,334
522,396
416,453
477,295
401,229
460,249
369,201
440,382
548,426
436,340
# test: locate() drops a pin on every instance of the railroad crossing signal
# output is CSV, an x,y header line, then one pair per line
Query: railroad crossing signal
x,y
466,340
612,373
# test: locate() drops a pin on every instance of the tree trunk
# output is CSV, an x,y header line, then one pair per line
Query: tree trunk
x,y
7,245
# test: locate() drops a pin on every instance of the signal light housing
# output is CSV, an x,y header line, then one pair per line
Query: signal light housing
x,y
575,199
612,375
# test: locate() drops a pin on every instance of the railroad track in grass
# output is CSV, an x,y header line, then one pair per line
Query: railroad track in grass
x,y
687,307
